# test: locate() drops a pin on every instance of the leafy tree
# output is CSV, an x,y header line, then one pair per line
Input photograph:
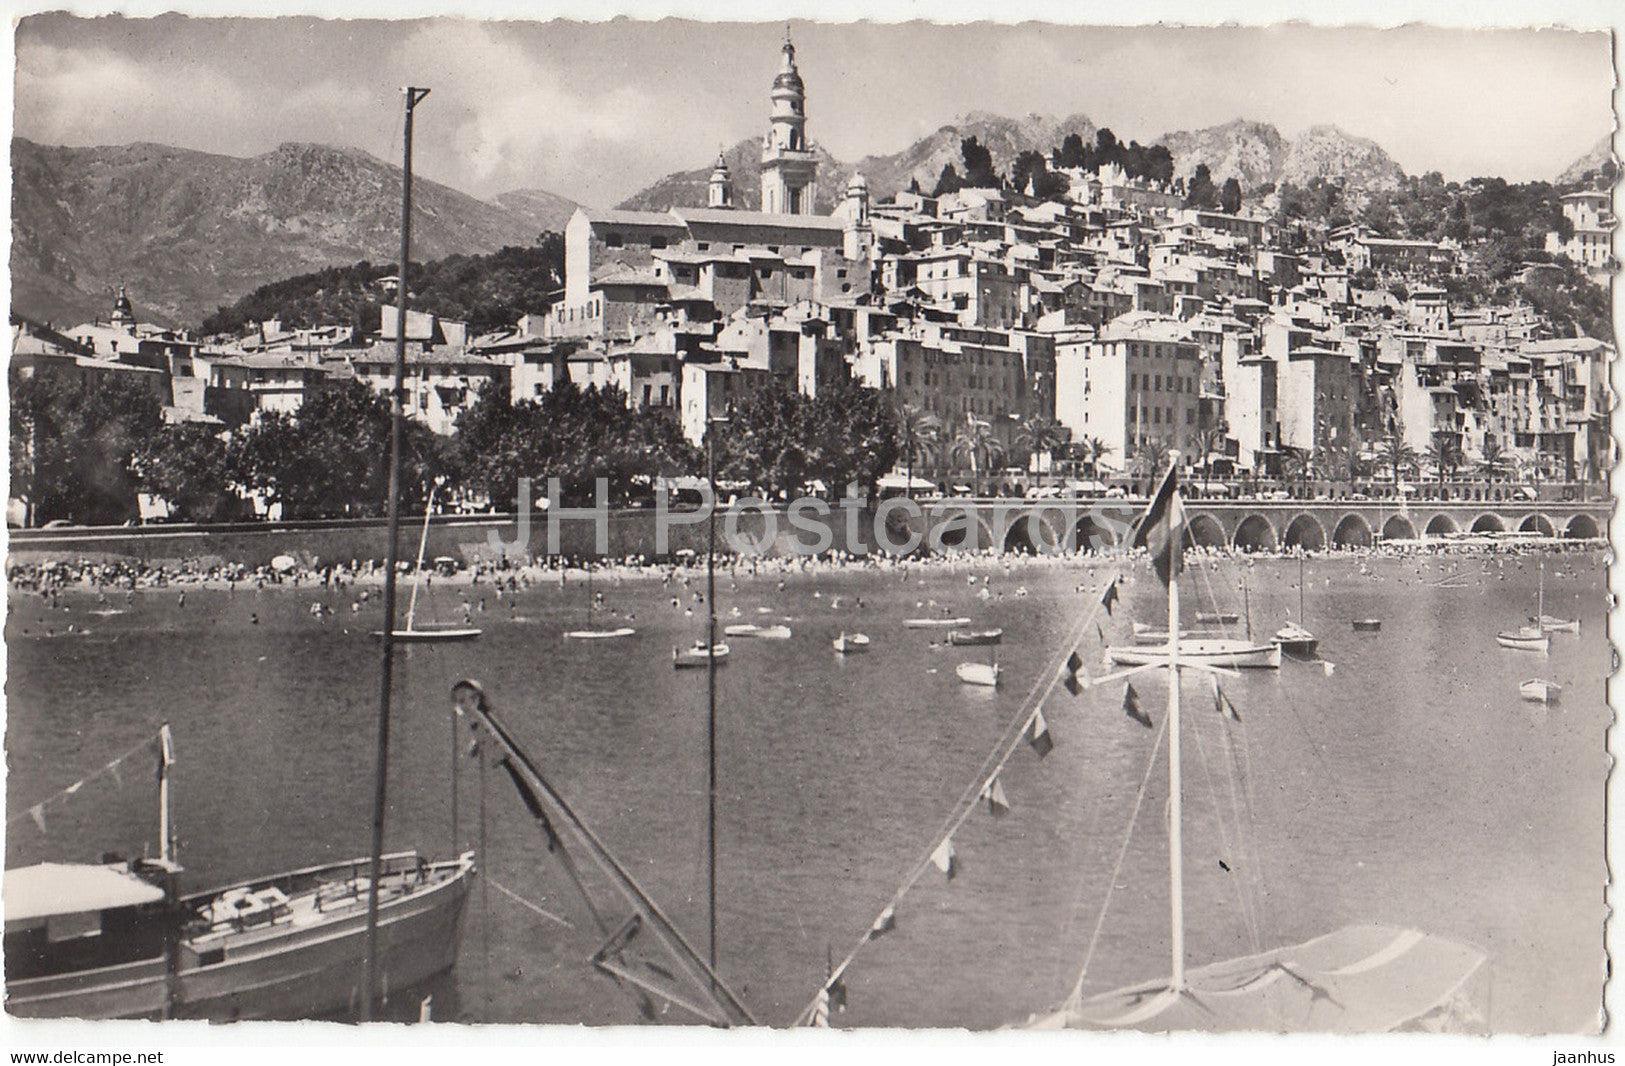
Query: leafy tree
x,y
188,464
979,172
1095,451
1199,191
1071,152
948,181
72,443
1230,197
1397,456
919,432
1040,435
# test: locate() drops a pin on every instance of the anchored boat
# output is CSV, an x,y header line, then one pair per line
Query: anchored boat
x,y
965,638
850,643
1216,651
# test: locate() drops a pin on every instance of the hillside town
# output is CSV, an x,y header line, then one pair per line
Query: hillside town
x,y
1027,343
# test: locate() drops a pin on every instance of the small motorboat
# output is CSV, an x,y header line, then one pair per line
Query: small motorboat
x,y
1559,625
1296,641
1217,618
698,656
849,643
1367,625
984,674
1214,650
1525,638
1539,690
599,634
777,632
934,623
965,638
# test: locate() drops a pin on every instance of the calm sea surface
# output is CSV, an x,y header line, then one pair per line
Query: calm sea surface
x,y
1408,786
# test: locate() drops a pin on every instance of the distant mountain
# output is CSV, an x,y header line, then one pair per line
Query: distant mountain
x,y
1250,152
546,212
1589,168
1005,138
1256,154
190,231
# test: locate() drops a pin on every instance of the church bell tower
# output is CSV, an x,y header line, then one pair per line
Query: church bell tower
x,y
789,168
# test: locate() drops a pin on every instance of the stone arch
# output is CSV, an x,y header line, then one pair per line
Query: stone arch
x,y
1398,527
1205,531
1306,532
1440,525
1352,531
959,529
1537,523
1582,526
1030,534
1488,522
1255,533
1091,535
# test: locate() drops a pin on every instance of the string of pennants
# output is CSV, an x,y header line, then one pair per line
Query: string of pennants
x,y
154,749
1030,726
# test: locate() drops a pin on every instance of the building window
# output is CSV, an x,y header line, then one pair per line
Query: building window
x,y
612,240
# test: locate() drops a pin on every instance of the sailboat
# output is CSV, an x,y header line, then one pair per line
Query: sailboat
x,y
1293,638
298,944
587,632
435,634
1362,978
283,946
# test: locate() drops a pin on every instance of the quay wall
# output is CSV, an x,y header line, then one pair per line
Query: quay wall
x,y
1007,525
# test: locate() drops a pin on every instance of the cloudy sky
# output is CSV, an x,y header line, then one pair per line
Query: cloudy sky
x,y
595,111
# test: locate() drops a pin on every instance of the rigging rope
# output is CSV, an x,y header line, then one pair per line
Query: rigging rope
x,y
990,769
35,811
1234,853
1117,867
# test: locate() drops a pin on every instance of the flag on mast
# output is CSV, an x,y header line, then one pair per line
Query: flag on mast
x,y
1038,735
1161,530
1222,704
1110,597
998,804
945,858
1131,706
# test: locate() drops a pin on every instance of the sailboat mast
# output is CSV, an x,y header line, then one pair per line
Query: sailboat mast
x,y
1300,586
711,695
417,574
369,972
1176,872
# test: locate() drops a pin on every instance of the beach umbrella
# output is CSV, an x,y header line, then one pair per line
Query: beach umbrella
x,y
284,563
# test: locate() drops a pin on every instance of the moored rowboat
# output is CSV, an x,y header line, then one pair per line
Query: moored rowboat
x,y
848,644
698,656
985,674
1526,638
599,634
971,637
1539,690
934,623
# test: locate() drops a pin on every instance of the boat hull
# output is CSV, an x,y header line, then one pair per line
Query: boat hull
x,y
983,674
1536,690
966,638
283,971
1550,624
699,658
1233,653
934,623
430,636
1367,625
1523,641
849,645
600,634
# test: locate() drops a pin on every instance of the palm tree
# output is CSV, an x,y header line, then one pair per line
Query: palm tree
x,y
1494,459
976,444
1040,436
920,432
1443,455
1150,457
1094,450
1208,442
1397,456
1298,465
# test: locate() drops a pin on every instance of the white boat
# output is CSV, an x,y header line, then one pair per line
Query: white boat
x,y
1559,625
1525,638
850,643
413,634
599,634
1539,690
747,629
1217,618
1361,978
1367,625
1293,638
1215,651
286,946
934,623
966,638
698,656
985,674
